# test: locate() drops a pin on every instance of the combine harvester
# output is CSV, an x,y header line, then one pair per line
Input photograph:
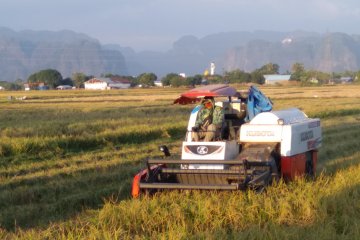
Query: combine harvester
x,y
257,146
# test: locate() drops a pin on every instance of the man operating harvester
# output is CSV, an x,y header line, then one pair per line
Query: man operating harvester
x,y
209,121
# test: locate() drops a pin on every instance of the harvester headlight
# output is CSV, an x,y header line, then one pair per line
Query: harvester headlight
x,y
280,121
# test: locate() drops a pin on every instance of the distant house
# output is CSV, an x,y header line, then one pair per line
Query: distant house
x,y
158,83
2,88
314,80
43,87
64,87
107,83
204,81
346,80
35,86
276,78
120,83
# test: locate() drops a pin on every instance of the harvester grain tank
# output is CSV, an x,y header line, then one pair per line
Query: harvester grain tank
x,y
256,147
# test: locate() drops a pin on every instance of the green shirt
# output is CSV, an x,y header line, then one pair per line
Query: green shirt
x,y
207,116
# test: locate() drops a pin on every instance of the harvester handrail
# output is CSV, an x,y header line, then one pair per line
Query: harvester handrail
x,y
202,171
200,161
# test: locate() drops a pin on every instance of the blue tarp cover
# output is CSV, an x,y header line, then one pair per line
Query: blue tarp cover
x,y
257,102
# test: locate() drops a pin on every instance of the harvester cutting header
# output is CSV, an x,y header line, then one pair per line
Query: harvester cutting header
x,y
235,142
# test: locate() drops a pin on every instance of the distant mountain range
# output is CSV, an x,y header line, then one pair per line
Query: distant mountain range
x,y
23,53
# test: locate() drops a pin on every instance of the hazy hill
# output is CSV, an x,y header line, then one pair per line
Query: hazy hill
x,y
330,52
25,52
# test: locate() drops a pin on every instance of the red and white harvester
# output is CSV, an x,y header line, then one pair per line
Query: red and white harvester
x,y
257,146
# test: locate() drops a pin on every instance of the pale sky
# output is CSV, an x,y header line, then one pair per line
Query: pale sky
x,y
156,24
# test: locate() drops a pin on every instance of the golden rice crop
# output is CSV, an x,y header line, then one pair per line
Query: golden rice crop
x,y
67,159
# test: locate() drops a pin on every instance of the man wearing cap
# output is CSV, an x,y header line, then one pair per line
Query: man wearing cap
x,y
209,121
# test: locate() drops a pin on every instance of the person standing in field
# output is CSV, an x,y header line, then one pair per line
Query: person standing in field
x,y
209,121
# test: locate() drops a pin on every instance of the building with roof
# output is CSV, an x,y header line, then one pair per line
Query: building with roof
x,y
64,87
107,83
314,80
276,78
345,80
158,83
35,86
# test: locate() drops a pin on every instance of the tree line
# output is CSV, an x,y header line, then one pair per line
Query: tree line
x,y
52,78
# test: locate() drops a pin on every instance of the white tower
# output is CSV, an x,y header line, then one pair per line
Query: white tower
x,y
212,69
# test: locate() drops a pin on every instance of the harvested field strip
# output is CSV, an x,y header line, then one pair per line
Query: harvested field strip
x,y
63,186
346,126
66,207
340,133
123,153
55,182
340,146
42,177
338,113
132,135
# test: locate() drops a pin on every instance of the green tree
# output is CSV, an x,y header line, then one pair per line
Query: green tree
x,y
18,84
215,79
177,81
348,73
298,72
67,81
197,79
269,68
189,81
79,79
12,86
310,75
166,81
357,78
257,77
50,77
237,76
133,80
107,75
147,79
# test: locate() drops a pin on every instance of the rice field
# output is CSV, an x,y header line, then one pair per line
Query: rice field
x,y
67,159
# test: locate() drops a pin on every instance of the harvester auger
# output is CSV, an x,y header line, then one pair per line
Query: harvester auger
x,y
257,146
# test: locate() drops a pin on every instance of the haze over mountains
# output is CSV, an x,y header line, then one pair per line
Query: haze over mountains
x,y
25,52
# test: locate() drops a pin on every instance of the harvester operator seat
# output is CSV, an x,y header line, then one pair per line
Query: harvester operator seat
x,y
234,117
